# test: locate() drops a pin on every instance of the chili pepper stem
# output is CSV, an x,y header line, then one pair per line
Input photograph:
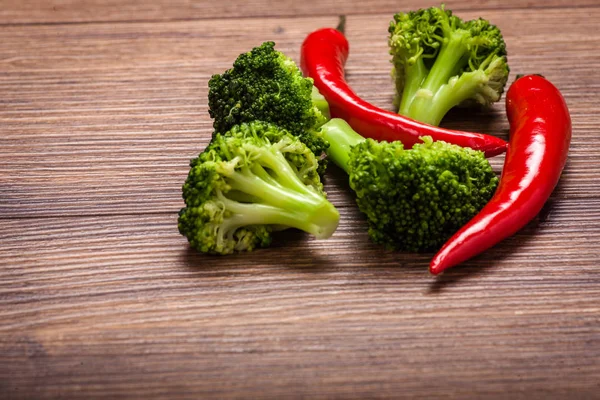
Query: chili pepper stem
x,y
342,24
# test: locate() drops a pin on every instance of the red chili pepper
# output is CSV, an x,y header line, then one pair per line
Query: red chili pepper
x,y
540,134
323,56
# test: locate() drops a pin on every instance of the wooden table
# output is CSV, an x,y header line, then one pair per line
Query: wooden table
x,y
102,104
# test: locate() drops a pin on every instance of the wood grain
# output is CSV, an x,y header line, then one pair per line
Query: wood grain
x,y
137,112
102,306
101,106
78,11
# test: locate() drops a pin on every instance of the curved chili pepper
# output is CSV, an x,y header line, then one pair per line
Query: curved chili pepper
x,y
540,134
323,56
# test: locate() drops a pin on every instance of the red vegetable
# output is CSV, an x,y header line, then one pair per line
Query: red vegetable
x,y
540,134
323,55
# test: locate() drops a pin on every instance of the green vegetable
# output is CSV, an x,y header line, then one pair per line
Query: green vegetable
x,y
440,61
253,180
413,199
266,85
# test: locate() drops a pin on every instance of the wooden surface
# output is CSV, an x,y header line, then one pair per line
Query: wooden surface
x,y
102,103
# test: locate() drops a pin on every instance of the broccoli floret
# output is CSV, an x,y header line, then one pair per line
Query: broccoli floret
x,y
414,199
266,85
440,61
255,179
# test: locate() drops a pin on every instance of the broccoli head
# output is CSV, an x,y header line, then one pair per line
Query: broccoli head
x,y
440,61
266,85
414,199
253,180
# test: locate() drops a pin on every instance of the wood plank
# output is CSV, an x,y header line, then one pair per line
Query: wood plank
x,y
100,297
119,306
96,117
75,11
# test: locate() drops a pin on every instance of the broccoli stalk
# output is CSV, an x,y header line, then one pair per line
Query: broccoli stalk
x,y
342,139
321,104
255,179
413,199
440,61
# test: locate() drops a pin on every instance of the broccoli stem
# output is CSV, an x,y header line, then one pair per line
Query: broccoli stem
x,y
425,105
319,101
449,61
276,195
457,91
414,76
317,222
341,138
282,198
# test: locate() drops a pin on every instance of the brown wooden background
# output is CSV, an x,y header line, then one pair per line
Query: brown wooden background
x,y
102,103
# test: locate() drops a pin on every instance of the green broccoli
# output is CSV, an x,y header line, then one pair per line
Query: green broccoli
x,y
413,199
440,61
266,85
254,179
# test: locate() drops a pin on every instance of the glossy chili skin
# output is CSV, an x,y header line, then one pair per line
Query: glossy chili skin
x,y
323,56
540,134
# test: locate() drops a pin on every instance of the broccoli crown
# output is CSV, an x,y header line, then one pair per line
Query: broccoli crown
x,y
440,61
416,199
266,85
255,179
